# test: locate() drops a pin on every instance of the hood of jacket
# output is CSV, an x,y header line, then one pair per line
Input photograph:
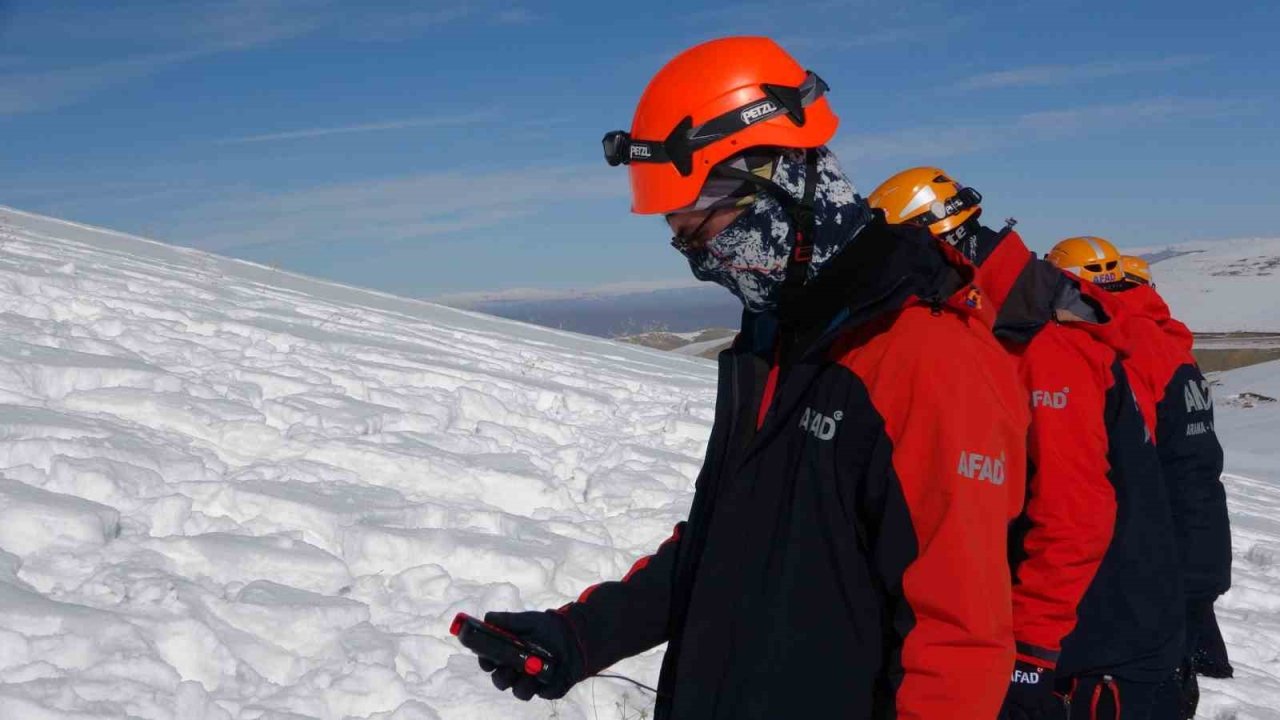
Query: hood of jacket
x,y
1029,293
1144,301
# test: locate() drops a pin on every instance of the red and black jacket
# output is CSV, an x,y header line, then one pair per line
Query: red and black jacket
x,y
845,552
1179,409
1096,582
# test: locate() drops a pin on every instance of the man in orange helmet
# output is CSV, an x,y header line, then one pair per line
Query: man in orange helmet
x,y
1097,611
845,552
1178,406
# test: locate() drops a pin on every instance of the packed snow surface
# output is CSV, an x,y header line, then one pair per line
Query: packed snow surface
x,y
230,492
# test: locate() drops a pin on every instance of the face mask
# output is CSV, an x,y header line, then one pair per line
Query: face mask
x,y
749,257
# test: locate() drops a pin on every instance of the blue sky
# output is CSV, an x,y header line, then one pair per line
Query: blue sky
x,y
435,148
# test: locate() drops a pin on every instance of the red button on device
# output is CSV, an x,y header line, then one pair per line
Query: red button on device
x,y
533,665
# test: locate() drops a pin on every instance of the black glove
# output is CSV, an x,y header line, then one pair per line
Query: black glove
x,y
1189,692
550,630
1209,654
1031,695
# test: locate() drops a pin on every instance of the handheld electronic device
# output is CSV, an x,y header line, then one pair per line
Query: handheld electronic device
x,y
501,647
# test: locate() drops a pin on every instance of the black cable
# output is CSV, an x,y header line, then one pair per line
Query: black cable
x,y
637,683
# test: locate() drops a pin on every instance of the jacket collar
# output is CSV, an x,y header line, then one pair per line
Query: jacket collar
x,y
1005,263
1030,293
884,269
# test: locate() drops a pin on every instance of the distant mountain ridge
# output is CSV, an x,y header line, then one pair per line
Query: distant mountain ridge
x,y
677,310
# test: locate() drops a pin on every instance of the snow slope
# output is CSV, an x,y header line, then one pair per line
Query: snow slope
x,y
1221,286
230,492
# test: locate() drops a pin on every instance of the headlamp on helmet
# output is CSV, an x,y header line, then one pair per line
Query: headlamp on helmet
x,y
928,197
685,139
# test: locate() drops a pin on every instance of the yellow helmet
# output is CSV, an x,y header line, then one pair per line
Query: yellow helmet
x,y
926,196
1136,270
1089,257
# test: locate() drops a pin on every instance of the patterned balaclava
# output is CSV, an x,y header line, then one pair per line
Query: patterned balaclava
x,y
749,257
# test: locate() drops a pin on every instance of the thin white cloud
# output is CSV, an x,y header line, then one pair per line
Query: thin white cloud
x,y
1043,75
26,92
515,16
921,144
853,40
130,29
138,41
402,124
405,24
765,14
159,37
390,210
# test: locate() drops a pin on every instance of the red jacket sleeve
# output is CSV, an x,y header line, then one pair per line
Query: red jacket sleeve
x,y
1070,513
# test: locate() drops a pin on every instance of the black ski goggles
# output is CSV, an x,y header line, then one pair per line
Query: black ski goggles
x,y
686,139
963,200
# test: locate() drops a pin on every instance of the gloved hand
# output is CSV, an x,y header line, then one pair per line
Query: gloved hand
x,y
553,632
1189,692
1031,695
1209,652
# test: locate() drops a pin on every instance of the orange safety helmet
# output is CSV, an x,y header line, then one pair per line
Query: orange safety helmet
x,y
928,197
1136,270
1089,257
709,103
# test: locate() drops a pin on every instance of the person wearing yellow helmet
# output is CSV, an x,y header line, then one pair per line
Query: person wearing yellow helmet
x,y
1136,270
929,198
1178,406
845,550
1097,517
1090,258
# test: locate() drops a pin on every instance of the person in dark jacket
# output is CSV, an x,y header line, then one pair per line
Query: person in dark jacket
x,y
1097,599
1178,407
844,555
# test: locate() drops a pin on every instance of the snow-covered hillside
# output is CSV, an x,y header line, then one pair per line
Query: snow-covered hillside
x,y
229,492
1222,286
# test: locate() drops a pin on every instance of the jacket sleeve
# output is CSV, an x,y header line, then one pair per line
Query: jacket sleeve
x,y
1066,527
951,474
1191,460
617,619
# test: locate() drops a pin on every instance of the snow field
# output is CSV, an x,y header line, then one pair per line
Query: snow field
x,y
1250,612
227,492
